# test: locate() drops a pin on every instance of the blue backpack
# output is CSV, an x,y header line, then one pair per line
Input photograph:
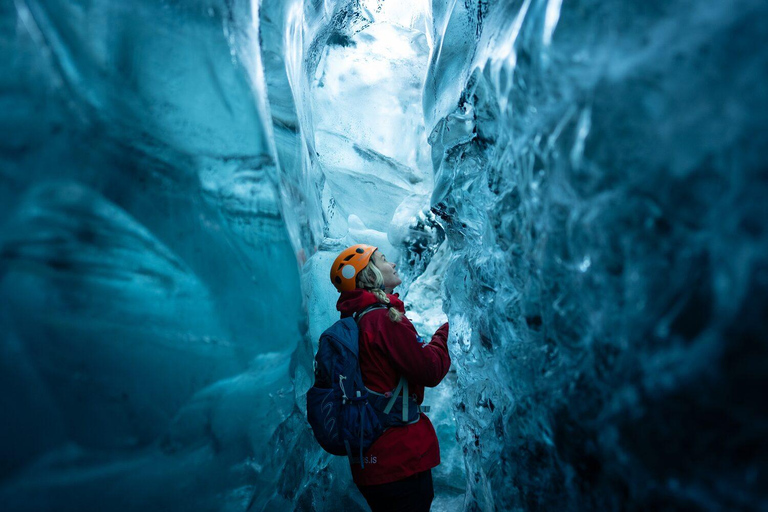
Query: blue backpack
x,y
345,416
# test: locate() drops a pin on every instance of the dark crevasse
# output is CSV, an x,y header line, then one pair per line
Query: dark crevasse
x,y
580,187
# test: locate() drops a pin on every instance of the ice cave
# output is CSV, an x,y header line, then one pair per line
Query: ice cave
x,y
579,187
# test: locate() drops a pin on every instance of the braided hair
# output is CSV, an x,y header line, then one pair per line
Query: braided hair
x,y
370,279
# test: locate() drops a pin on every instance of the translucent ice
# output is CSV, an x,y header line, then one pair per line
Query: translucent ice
x,y
579,187
597,206
149,291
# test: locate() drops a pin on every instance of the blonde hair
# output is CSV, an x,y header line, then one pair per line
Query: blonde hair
x,y
370,279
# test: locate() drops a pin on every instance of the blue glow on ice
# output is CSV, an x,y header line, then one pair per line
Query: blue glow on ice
x,y
579,187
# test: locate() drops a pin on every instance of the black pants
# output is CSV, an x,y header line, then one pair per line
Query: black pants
x,y
412,494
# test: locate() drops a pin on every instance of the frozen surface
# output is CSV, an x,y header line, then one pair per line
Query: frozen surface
x,y
580,187
149,291
601,181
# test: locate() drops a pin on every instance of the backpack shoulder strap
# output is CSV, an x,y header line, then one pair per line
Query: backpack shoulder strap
x,y
357,316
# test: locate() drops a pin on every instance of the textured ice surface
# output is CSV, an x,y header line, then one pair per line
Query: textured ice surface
x,y
579,186
601,179
149,291
357,74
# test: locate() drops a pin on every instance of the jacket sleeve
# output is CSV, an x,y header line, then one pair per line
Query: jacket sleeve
x,y
424,364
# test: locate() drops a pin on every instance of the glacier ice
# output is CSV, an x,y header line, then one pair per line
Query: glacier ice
x,y
593,212
139,206
579,187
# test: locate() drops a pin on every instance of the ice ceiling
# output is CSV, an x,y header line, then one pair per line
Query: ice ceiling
x,y
579,187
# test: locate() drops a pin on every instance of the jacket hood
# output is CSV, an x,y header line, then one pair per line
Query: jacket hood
x,y
350,303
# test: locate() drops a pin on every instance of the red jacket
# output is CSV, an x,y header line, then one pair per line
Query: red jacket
x,y
388,350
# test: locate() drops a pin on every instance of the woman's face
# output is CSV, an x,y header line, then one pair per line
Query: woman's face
x,y
388,272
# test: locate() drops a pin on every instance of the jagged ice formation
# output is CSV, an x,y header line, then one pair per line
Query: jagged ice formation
x,y
579,187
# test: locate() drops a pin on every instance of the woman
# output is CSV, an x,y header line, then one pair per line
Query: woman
x,y
397,472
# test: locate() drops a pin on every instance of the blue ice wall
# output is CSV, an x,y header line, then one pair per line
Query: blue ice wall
x,y
149,292
601,177
580,187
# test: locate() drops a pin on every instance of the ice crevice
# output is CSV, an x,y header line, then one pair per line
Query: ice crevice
x,y
578,187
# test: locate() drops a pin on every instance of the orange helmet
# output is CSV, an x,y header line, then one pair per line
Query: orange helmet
x,y
347,264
